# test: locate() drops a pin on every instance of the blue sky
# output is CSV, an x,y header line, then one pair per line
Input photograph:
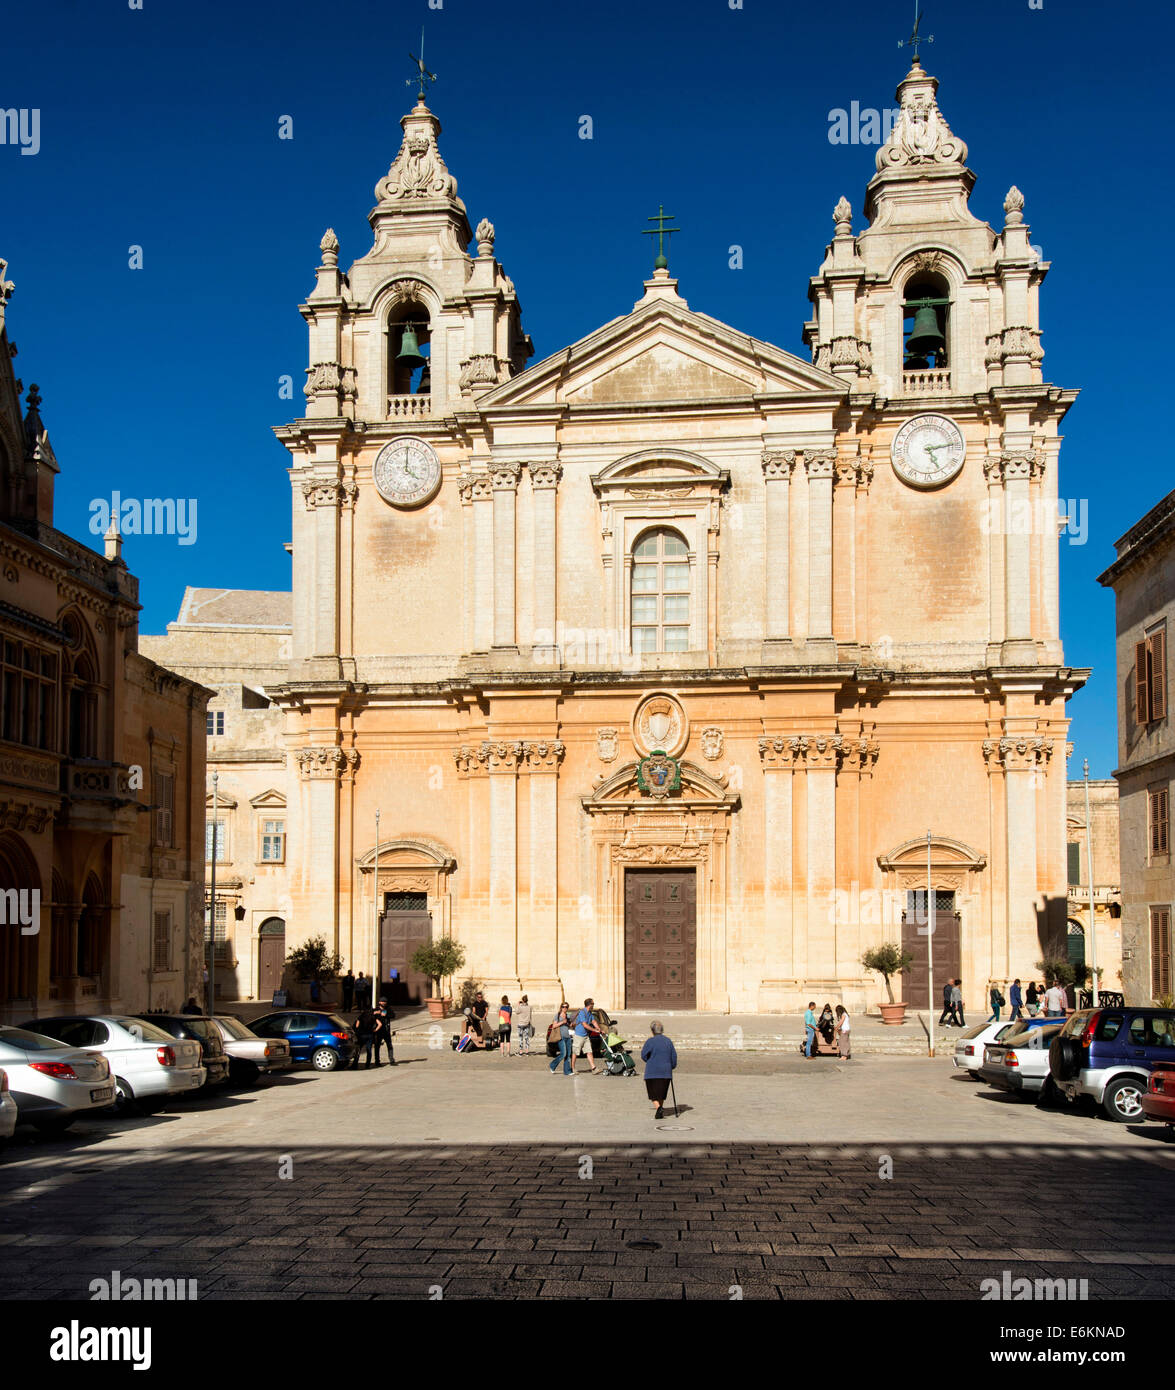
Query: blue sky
x,y
159,128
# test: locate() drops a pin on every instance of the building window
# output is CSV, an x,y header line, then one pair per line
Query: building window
x,y
925,323
163,796
1158,819
409,337
1160,952
1074,864
219,829
28,695
273,841
1150,677
214,722
660,593
161,946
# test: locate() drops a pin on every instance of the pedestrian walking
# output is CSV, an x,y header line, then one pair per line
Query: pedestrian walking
x,y
660,1059
585,1027
348,991
957,1004
1016,999
505,1014
365,1028
362,992
944,1017
524,1022
809,1027
383,1033
563,1024
844,1034
1055,1001
1032,1000
995,997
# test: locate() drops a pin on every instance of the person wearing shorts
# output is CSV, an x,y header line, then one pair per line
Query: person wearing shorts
x,y
581,1042
505,1014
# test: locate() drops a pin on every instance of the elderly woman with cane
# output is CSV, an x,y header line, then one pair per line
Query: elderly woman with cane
x,y
660,1057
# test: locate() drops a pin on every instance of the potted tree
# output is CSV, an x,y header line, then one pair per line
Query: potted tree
x,y
888,960
314,964
439,960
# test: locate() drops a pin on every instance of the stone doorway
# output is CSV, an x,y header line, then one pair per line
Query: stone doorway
x,y
660,938
271,957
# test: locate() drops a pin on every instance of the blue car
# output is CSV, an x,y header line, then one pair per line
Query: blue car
x,y
325,1040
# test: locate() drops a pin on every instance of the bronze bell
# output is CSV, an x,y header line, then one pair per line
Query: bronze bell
x,y
409,355
925,337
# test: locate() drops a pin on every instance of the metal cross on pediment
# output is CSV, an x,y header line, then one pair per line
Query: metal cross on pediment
x,y
423,76
661,231
916,38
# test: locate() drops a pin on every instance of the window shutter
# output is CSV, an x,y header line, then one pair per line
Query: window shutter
x,y
1158,674
1141,695
1074,863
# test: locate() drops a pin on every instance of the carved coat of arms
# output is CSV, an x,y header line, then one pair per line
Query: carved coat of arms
x,y
658,774
607,744
712,743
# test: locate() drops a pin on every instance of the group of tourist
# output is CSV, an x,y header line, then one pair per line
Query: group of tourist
x,y
482,1033
832,1031
1050,1000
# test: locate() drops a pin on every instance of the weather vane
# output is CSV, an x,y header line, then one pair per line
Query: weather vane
x,y
423,75
915,37
661,231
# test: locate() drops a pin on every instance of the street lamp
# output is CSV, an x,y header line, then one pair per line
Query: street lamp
x,y
211,991
930,941
1089,870
375,928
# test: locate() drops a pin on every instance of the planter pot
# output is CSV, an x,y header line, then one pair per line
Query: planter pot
x,y
438,1008
893,1013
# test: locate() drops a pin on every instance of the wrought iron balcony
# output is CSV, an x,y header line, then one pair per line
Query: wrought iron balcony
x,y
99,796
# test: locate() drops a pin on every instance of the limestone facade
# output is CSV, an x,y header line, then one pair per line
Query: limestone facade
x,y
1143,580
660,657
101,761
1107,879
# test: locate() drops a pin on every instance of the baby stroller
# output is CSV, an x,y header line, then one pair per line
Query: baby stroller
x,y
617,1060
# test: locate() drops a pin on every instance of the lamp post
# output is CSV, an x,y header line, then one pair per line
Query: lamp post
x,y
1089,871
930,942
211,991
375,982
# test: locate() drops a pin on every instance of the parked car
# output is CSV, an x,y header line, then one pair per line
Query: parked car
x,y
7,1110
248,1054
1159,1101
146,1061
1106,1055
971,1043
323,1039
201,1029
1019,1062
52,1084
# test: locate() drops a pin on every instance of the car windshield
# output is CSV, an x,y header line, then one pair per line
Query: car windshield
x,y
974,1031
140,1028
1075,1024
1032,1037
200,1028
235,1028
29,1042
338,1022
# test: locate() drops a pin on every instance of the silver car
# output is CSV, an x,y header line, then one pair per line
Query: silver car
x,y
147,1062
52,1084
248,1054
1019,1062
7,1110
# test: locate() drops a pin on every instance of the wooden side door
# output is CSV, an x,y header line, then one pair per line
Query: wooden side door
x,y
271,960
660,938
401,931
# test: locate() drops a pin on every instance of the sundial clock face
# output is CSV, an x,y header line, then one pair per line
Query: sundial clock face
x,y
928,451
407,472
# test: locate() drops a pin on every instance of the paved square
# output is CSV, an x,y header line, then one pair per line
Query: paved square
x,y
485,1176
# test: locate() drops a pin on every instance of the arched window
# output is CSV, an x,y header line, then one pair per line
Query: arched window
x,y
926,323
409,336
660,593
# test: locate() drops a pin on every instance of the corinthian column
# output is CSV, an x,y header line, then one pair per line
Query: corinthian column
x,y
505,484
502,762
820,466
777,471
544,482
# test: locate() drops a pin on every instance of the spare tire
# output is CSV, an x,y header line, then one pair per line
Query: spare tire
x,y
1065,1055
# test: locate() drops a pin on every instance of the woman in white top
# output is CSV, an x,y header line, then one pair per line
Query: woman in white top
x,y
844,1036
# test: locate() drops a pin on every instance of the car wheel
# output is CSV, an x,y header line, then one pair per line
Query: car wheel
x,y
325,1059
1048,1095
124,1096
54,1124
243,1074
1123,1099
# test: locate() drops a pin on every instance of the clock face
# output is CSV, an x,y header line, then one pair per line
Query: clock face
x,y
407,472
928,451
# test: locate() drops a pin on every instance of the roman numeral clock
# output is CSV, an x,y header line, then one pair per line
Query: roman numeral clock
x,y
407,472
928,451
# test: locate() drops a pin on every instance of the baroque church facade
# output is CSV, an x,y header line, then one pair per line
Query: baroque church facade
x,y
674,663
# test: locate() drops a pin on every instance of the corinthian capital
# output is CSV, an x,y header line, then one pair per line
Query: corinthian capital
x,y
820,463
545,475
778,463
505,475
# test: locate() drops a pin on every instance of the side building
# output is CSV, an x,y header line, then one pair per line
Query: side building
x,y
1143,580
1104,950
237,642
101,761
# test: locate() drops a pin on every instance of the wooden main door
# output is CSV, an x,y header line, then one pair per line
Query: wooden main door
x,y
406,924
914,984
271,957
660,939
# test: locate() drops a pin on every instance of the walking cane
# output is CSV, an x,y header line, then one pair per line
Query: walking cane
x,y
671,1087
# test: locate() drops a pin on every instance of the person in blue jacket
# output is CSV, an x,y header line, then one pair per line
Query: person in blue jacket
x,y
660,1058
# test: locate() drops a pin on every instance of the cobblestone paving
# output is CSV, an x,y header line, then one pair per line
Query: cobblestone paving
x,y
197,1193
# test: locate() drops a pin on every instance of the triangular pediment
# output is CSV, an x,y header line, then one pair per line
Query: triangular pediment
x,y
662,351
271,800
